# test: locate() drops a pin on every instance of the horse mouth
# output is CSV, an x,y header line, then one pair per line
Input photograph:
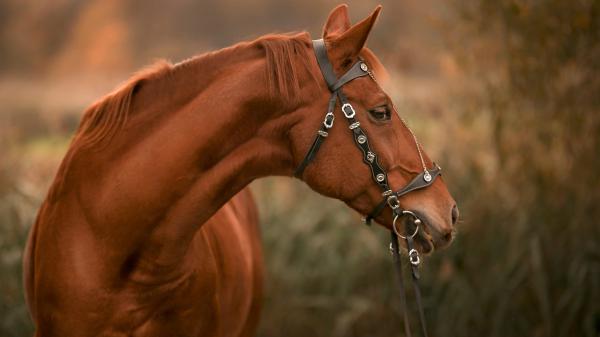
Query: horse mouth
x,y
429,239
423,239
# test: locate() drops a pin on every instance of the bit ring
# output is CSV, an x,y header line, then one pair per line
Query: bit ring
x,y
396,229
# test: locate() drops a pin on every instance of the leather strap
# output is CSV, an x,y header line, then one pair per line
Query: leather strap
x,y
322,133
362,141
417,183
324,64
356,71
312,152
416,289
332,81
395,247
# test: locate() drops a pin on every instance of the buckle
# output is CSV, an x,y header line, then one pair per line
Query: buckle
x,y
328,122
413,256
393,202
348,110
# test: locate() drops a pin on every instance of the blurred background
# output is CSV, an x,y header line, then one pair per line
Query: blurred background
x,y
504,95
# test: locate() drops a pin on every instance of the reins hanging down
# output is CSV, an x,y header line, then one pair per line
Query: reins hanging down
x,y
379,175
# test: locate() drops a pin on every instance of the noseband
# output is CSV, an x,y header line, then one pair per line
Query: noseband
x,y
379,175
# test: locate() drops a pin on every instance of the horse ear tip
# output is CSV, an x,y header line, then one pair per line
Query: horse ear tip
x,y
378,9
340,7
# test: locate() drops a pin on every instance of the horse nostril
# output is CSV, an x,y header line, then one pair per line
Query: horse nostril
x,y
454,215
448,236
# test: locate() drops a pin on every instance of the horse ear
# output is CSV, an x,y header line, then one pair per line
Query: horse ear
x,y
338,21
353,40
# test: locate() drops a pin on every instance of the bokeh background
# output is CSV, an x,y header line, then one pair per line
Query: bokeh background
x,y
504,94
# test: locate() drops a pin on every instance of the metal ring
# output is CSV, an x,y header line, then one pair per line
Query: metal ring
x,y
396,230
411,213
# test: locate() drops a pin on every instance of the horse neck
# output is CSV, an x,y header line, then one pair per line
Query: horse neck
x,y
231,130
194,139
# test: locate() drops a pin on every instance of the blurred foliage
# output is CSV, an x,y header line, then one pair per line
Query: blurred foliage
x,y
504,94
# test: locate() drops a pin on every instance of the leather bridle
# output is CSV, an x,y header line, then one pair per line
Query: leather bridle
x,y
379,175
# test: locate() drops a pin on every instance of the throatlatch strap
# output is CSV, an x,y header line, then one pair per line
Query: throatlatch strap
x,y
314,148
322,133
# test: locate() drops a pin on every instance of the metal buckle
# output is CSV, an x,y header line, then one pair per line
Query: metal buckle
x,y
413,257
328,122
392,201
351,113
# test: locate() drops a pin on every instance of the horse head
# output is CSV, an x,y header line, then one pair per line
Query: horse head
x,y
397,167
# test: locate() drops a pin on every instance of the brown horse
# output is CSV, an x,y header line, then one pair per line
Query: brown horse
x,y
149,229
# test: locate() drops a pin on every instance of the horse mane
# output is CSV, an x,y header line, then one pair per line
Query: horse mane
x,y
104,119
107,116
284,52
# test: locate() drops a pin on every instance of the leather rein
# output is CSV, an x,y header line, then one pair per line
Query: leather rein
x,y
379,175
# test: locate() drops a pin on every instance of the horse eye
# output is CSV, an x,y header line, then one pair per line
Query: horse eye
x,y
381,113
